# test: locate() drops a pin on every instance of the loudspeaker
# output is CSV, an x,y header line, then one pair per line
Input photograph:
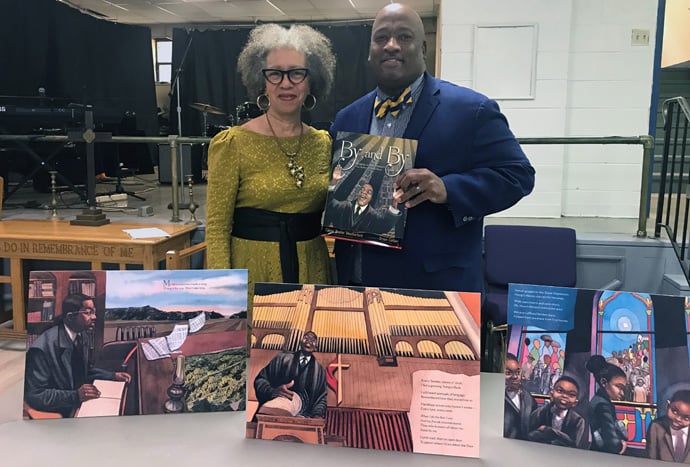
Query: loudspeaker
x,y
189,163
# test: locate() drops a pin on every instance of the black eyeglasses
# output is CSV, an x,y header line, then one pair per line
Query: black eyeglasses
x,y
295,75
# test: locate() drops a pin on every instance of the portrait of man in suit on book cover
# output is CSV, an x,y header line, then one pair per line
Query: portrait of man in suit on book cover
x,y
362,214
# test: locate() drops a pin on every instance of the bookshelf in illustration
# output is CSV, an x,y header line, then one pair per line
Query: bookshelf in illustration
x,y
83,283
371,341
46,291
646,337
41,304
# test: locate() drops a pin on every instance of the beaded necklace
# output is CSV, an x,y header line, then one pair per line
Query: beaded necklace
x,y
296,170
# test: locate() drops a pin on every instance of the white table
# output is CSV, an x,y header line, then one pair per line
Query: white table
x,y
218,440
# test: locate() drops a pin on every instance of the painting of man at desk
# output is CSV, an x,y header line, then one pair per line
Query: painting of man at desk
x,y
135,342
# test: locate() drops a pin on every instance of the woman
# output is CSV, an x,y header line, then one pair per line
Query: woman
x,y
608,434
268,178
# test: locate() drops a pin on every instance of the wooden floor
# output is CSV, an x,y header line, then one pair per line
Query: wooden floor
x,y
11,376
11,363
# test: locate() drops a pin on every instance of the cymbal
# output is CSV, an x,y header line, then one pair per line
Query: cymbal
x,y
208,108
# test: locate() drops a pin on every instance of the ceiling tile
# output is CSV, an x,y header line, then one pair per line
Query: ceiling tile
x,y
221,11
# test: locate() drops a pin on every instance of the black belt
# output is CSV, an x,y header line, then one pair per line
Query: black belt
x,y
285,228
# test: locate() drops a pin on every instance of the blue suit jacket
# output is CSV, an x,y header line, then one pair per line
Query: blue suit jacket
x,y
464,139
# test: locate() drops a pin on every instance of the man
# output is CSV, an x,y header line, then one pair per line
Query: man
x,y
357,215
667,436
297,377
548,348
518,403
535,352
556,422
528,368
468,165
59,374
360,215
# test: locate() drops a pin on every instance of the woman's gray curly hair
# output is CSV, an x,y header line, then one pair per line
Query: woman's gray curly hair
x,y
314,45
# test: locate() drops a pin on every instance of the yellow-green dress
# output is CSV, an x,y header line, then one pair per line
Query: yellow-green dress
x,y
248,170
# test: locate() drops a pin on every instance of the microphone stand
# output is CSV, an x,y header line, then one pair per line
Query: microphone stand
x,y
174,179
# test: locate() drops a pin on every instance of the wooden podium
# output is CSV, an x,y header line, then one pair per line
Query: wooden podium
x,y
292,429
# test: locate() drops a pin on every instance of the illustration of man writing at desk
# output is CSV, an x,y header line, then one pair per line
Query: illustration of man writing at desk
x,y
59,376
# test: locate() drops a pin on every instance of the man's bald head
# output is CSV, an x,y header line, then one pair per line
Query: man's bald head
x,y
398,49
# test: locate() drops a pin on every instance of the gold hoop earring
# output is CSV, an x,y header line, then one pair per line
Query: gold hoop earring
x,y
311,98
262,102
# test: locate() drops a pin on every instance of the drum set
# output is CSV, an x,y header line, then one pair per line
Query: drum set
x,y
243,112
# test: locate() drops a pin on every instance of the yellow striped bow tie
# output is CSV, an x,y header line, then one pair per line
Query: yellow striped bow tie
x,y
392,105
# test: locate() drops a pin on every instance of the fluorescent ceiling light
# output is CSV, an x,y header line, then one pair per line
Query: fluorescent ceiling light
x,y
281,11
353,4
115,5
167,11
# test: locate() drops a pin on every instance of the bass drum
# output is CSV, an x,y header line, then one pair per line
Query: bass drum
x,y
245,112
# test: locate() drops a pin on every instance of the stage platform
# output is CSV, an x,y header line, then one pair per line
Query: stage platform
x,y
27,203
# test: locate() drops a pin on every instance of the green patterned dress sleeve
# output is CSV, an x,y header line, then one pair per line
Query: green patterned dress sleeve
x,y
221,194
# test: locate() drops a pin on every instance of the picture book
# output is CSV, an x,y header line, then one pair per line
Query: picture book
x,y
603,370
388,369
360,206
111,395
135,342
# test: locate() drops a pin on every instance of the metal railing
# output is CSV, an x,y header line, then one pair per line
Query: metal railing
x,y
646,141
173,140
674,183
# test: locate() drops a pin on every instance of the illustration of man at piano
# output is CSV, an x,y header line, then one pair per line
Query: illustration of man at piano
x,y
293,383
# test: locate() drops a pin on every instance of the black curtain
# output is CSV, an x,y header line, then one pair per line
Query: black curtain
x,y
352,76
78,59
209,73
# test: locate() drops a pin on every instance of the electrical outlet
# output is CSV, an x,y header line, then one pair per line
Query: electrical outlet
x,y
639,37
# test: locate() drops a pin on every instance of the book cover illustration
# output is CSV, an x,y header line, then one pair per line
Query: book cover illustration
x,y
360,206
387,369
135,342
602,370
